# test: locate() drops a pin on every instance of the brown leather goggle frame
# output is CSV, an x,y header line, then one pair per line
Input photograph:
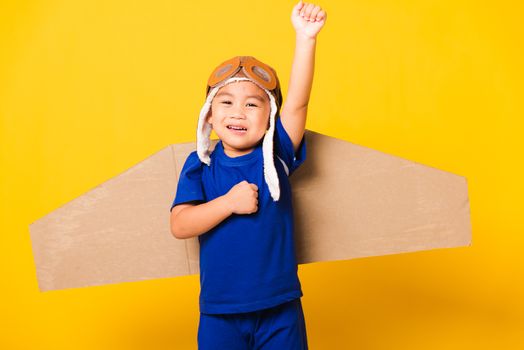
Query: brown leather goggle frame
x,y
251,68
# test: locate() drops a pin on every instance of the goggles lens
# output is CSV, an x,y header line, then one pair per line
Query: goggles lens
x,y
261,73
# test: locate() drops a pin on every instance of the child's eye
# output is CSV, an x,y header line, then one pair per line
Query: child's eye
x,y
229,102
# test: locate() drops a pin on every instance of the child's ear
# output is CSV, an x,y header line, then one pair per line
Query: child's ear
x,y
209,117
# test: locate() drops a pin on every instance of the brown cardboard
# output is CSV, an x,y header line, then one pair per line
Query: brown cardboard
x,y
350,201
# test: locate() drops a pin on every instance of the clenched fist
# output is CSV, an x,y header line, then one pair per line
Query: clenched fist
x,y
308,19
243,198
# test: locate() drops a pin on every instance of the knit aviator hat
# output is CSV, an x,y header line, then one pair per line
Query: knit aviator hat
x,y
244,68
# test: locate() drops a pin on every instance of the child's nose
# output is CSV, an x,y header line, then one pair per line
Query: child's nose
x,y
238,112
238,116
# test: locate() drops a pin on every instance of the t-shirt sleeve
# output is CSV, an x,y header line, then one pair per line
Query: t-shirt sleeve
x,y
190,187
284,149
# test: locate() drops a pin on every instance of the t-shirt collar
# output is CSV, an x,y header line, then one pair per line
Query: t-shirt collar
x,y
224,158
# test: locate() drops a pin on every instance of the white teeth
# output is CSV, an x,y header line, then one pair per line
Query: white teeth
x,y
235,127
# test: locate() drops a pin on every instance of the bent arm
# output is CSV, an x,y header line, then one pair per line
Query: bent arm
x,y
190,220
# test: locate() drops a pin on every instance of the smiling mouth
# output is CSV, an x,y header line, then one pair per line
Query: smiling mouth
x,y
236,128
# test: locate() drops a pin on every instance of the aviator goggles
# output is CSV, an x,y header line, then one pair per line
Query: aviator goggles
x,y
252,68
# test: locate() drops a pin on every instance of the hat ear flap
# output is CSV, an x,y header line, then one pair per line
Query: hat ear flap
x,y
270,172
204,129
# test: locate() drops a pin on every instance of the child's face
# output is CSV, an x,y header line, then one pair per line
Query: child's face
x,y
242,104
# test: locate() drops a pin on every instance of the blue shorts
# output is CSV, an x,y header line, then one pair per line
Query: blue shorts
x,y
279,327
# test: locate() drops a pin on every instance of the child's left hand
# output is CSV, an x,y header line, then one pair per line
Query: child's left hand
x,y
308,19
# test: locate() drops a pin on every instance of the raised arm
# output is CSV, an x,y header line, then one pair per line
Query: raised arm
x,y
307,20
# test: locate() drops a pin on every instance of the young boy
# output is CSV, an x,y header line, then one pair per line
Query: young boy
x,y
237,198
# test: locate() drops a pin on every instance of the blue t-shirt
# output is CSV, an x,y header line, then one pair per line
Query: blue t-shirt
x,y
248,261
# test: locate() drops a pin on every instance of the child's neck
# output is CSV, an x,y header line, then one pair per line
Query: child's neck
x,y
233,152
237,153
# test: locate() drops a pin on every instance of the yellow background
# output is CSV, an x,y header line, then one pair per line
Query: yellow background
x,y
90,88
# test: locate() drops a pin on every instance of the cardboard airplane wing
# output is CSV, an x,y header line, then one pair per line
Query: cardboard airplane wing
x,y
349,201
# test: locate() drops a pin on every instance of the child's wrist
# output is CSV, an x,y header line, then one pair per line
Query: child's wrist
x,y
226,204
302,38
